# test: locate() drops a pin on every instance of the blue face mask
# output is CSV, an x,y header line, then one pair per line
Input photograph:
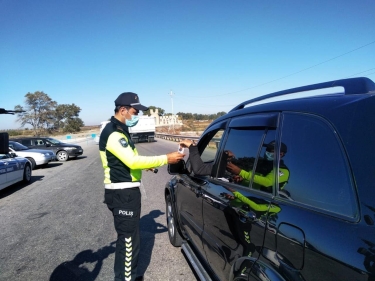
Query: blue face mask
x,y
132,122
269,155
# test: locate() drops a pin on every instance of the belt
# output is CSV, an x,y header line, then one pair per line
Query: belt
x,y
122,185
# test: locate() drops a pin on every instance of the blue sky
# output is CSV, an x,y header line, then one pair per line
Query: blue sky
x,y
211,54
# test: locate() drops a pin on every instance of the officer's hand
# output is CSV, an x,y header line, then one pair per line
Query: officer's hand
x,y
174,157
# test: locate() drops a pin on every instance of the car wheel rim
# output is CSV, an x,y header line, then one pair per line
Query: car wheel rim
x,y
62,156
170,220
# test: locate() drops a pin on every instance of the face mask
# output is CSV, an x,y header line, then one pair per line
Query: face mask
x,y
132,122
269,155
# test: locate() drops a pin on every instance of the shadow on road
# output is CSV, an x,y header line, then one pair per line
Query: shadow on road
x,y
76,270
49,165
18,186
148,228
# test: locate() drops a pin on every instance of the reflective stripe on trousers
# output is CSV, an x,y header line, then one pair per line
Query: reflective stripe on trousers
x,y
125,205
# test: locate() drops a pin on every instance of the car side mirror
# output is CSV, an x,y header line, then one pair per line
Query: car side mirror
x,y
48,144
178,168
12,154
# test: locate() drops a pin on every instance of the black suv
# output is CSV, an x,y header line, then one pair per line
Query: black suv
x,y
63,151
297,199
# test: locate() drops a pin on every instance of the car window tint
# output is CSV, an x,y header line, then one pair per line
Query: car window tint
x,y
210,151
53,141
17,146
319,173
26,142
246,145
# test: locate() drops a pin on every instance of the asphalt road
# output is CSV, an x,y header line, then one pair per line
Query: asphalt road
x,y
60,218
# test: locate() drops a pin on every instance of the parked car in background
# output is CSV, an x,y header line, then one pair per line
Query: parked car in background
x,y
296,202
37,157
12,169
63,151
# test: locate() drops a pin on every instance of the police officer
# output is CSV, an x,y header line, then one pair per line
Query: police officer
x,y
122,179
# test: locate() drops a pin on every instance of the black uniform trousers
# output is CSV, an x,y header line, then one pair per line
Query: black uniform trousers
x,y
125,205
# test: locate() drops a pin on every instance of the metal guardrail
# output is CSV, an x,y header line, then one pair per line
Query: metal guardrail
x,y
178,138
175,137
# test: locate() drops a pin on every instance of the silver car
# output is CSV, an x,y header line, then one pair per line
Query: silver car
x,y
37,157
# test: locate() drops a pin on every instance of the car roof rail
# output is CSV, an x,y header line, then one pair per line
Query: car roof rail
x,y
352,86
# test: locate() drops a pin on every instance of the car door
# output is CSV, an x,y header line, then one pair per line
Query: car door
x,y
189,189
235,212
316,232
3,171
13,170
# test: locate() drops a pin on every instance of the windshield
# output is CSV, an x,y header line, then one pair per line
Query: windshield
x,y
53,141
17,146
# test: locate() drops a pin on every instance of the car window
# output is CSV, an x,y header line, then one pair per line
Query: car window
x,y
26,142
53,141
319,171
17,146
210,151
248,167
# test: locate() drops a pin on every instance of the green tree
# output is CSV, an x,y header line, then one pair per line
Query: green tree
x,y
39,112
67,118
148,112
196,116
73,125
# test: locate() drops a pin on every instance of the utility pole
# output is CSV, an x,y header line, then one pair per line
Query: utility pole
x,y
171,94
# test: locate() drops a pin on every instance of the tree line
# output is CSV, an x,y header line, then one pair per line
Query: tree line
x,y
196,116
45,115
186,116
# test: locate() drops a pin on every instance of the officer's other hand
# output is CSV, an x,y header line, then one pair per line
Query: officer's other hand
x,y
174,157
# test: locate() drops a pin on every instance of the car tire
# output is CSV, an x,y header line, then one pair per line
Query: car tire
x,y
174,236
62,156
27,173
32,161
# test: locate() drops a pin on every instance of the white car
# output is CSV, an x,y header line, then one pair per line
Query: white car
x,y
37,157
13,170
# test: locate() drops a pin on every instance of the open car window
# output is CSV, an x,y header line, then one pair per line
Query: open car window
x,y
210,151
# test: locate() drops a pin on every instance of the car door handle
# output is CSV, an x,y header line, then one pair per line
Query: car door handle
x,y
198,192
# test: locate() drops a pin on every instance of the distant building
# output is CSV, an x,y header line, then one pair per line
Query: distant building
x,y
165,120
